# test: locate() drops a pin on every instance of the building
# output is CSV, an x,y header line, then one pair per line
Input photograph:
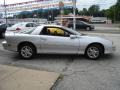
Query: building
x,y
69,18
14,9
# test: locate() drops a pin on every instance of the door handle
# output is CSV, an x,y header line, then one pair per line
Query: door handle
x,y
43,39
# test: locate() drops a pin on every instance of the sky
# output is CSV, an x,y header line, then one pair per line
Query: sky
x,y
104,4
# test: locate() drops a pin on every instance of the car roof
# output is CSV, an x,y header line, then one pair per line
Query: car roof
x,y
50,25
39,28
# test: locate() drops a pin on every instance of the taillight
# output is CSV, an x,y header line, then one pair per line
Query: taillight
x,y
18,29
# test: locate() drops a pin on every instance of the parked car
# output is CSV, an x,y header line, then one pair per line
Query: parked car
x,y
21,26
40,40
3,28
98,20
81,25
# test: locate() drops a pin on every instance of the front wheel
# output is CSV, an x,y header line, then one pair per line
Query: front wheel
x,y
27,51
93,52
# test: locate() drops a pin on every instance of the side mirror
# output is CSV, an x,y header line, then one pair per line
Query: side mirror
x,y
73,36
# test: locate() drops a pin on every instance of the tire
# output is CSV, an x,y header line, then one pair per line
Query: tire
x,y
27,51
88,28
94,52
3,35
0,35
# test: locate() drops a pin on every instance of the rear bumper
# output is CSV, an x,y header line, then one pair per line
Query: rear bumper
x,y
8,47
5,45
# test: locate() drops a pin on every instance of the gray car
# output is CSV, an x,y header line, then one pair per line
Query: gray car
x,y
55,39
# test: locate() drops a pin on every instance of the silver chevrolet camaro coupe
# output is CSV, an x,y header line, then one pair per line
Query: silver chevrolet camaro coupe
x,y
55,39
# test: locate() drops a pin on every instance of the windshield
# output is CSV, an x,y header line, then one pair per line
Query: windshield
x,y
84,22
72,31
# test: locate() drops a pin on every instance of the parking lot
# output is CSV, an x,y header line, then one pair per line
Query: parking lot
x,y
78,72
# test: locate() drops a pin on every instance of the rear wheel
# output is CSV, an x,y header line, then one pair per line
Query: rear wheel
x,y
3,34
88,28
0,35
27,51
94,51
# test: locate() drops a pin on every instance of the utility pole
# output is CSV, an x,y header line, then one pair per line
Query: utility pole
x,y
74,13
114,13
61,5
5,11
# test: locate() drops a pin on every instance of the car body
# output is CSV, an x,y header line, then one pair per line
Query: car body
x,y
71,42
81,25
22,26
98,20
3,28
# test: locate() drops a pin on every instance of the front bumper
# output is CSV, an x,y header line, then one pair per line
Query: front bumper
x,y
110,50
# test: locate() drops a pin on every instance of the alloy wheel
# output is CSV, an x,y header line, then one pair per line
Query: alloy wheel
x,y
26,52
93,52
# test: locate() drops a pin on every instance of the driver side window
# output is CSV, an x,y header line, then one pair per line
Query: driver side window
x,y
55,31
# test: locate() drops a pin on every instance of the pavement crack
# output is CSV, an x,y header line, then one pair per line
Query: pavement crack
x,y
68,63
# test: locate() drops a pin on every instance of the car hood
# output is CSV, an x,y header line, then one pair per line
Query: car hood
x,y
89,24
97,39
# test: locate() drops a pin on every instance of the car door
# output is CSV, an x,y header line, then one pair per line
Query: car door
x,y
3,27
57,41
81,25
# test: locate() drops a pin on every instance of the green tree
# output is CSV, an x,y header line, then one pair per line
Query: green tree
x,y
111,12
114,12
94,10
102,13
117,13
84,12
68,10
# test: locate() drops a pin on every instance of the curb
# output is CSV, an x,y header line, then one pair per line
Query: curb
x,y
107,28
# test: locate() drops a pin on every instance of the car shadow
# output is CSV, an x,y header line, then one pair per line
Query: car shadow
x,y
16,57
